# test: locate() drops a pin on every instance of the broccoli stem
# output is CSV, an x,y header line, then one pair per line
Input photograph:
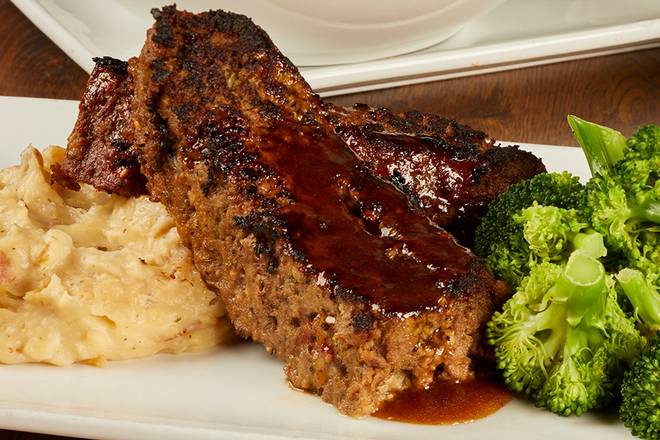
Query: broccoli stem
x,y
547,320
576,340
581,287
602,146
590,243
642,295
583,283
648,210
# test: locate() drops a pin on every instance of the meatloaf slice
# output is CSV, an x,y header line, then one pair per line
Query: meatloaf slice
x,y
322,262
99,149
449,171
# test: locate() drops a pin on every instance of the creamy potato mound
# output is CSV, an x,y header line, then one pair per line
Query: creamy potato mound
x,y
86,276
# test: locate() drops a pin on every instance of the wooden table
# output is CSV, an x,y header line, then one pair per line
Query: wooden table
x,y
526,105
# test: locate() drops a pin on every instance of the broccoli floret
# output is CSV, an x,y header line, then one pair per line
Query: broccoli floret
x,y
623,197
562,337
625,205
646,140
640,391
501,236
643,296
550,231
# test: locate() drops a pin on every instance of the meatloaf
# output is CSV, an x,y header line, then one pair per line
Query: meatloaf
x,y
325,263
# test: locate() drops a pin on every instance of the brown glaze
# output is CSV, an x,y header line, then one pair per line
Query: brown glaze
x,y
357,231
434,180
448,171
447,402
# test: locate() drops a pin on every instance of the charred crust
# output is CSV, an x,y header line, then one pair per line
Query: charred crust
x,y
223,153
477,173
164,142
469,283
296,253
265,231
417,123
400,183
500,156
251,173
122,145
269,111
116,66
362,322
164,34
159,71
249,36
182,111
339,291
308,118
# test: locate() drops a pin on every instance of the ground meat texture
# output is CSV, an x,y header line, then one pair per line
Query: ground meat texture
x,y
317,258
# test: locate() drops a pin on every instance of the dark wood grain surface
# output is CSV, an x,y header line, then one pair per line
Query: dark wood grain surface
x,y
526,105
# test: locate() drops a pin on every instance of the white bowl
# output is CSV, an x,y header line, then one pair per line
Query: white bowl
x,y
350,31
309,32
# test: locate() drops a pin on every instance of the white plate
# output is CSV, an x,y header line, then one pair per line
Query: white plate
x,y
518,33
236,393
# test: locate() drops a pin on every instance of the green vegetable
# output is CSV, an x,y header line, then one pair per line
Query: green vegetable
x,y
623,197
562,337
640,407
512,241
625,206
643,296
602,146
645,141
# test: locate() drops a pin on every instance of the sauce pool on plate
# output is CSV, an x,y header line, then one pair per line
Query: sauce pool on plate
x,y
446,403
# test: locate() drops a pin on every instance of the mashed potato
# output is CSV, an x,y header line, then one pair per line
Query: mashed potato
x,y
88,276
